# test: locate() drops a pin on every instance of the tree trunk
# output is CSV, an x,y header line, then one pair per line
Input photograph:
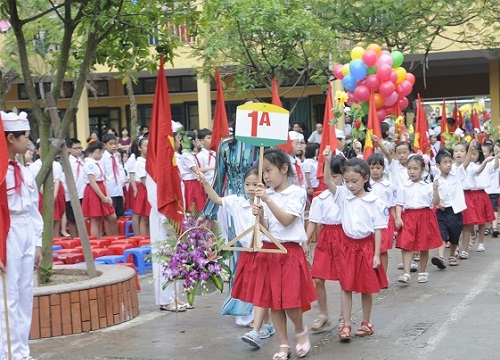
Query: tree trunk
x,y
133,109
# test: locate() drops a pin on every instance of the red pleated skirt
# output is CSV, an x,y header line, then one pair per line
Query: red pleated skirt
x,y
479,209
327,253
141,203
357,272
194,194
276,281
388,235
128,195
420,230
59,204
92,205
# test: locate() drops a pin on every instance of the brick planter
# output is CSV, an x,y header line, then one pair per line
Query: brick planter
x,y
92,304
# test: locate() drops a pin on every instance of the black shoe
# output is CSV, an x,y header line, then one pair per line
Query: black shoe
x,y
495,233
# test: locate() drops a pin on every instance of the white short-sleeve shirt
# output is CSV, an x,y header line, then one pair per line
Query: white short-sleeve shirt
x,y
415,195
207,159
361,216
77,170
450,190
310,166
241,211
385,191
469,180
494,187
92,167
296,163
293,201
324,210
398,173
188,160
113,178
140,169
483,179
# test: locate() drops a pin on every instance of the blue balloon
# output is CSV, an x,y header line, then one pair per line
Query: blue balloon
x,y
349,82
357,69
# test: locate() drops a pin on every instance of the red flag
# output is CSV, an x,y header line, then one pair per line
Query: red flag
x,y
397,110
474,117
420,141
220,128
328,137
4,205
460,119
160,160
444,123
286,147
373,127
454,115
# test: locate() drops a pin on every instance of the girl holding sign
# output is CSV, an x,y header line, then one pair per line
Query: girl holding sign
x,y
281,281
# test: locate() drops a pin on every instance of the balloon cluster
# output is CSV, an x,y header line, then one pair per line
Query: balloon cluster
x,y
374,69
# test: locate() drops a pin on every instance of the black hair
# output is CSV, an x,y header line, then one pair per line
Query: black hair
x,y
16,134
337,164
137,144
442,154
254,170
121,152
124,128
310,152
72,141
489,145
361,167
107,138
96,145
376,159
384,128
278,158
144,127
112,130
401,143
418,159
203,132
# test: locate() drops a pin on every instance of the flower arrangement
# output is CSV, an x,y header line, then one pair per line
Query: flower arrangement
x,y
358,130
195,256
338,108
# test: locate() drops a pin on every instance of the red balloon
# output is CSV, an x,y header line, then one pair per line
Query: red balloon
x,y
384,72
370,58
394,77
381,114
405,88
386,88
391,99
389,110
372,82
351,98
362,93
403,103
411,78
379,100
360,82
337,71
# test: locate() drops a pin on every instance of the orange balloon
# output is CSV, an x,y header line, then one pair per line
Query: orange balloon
x,y
379,100
377,49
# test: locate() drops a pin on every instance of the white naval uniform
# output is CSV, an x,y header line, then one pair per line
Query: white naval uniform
x,y
25,234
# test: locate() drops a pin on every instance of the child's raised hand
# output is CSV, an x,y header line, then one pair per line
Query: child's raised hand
x,y
375,138
419,152
472,145
261,192
327,153
489,158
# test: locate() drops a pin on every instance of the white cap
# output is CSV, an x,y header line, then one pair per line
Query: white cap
x,y
176,126
295,135
339,134
15,122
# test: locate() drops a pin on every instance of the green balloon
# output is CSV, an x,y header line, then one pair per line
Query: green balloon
x,y
397,59
364,106
371,70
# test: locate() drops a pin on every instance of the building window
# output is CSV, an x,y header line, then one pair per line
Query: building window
x,y
176,84
188,84
98,88
23,95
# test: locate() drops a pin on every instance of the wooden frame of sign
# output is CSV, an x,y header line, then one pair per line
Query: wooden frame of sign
x,y
268,126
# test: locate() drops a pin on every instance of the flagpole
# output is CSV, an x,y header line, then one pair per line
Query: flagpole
x,y
6,311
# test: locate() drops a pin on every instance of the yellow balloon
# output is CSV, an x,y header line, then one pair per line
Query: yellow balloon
x,y
345,69
401,73
357,52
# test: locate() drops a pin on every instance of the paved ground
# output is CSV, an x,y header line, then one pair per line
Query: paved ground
x,y
453,316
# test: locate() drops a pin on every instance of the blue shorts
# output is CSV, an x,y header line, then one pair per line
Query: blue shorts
x,y
450,225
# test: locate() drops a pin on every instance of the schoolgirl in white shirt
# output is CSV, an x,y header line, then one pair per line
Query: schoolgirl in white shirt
x,y
493,190
283,282
415,219
310,166
397,167
325,212
206,156
142,208
363,218
194,195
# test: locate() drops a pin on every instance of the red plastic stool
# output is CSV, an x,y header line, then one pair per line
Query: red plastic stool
x,y
118,249
113,237
72,258
100,243
68,251
132,266
125,241
58,262
144,242
67,244
98,252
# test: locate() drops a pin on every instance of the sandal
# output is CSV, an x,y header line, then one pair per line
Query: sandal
x,y
452,261
423,277
304,348
345,333
283,355
365,329
416,257
171,308
266,331
252,338
439,262
320,323
404,278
